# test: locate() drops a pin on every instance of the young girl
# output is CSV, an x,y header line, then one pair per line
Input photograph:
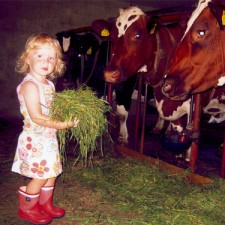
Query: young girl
x,y
37,154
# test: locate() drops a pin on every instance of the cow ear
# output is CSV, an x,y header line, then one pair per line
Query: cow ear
x,y
101,27
218,11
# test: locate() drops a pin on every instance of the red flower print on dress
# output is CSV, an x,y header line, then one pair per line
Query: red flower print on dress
x,y
29,139
40,169
29,145
23,154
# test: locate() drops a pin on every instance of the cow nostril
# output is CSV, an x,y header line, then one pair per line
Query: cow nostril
x,y
167,87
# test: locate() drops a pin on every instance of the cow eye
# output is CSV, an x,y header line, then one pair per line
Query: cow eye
x,y
137,36
201,33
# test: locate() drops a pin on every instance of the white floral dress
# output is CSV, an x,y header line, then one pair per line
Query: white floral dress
x,y
37,154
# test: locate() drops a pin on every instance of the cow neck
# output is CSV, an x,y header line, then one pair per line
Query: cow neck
x,y
160,60
158,55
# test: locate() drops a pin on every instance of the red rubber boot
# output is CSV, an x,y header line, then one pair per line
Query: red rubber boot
x,y
29,208
46,205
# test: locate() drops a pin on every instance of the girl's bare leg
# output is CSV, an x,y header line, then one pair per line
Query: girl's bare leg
x,y
35,185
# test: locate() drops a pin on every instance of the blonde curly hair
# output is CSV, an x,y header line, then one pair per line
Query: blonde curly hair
x,y
34,42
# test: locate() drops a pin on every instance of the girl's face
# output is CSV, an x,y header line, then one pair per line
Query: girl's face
x,y
42,61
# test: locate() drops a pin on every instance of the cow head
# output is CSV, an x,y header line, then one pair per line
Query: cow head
x,y
198,62
130,38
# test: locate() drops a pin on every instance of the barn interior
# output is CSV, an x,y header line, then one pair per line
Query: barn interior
x,y
20,18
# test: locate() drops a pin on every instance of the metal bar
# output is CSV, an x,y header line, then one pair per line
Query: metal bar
x,y
144,120
138,111
196,128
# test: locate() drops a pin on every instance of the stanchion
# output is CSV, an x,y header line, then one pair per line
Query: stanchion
x,y
109,94
196,128
144,120
109,100
138,111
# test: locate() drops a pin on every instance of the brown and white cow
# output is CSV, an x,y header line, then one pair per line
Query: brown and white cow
x,y
199,60
138,45
137,48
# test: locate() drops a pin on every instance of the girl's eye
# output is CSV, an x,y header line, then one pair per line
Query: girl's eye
x,y
52,59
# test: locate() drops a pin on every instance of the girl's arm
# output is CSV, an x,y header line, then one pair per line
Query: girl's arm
x,y
30,93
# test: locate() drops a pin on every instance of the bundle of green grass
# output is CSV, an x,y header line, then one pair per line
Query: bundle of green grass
x,y
83,104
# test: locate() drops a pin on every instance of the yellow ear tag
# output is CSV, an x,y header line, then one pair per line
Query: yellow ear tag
x,y
89,51
152,31
105,33
223,17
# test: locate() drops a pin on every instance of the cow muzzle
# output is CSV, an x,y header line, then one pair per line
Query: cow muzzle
x,y
112,76
166,88
173,91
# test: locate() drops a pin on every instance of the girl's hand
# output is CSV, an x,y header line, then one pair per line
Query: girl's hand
x,y
76,121
72,123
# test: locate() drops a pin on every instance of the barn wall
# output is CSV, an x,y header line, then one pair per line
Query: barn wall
x,y
19,19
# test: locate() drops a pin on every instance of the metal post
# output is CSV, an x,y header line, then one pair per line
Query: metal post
x,y
196,128
109,100
144,120
138,111
109,96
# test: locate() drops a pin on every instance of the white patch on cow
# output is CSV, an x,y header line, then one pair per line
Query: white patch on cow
x,y
135,96
181,110
221,81
213,119
188,155
217,116
144,69
124,21
159,125
177,127
66,43
202,4
123,114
